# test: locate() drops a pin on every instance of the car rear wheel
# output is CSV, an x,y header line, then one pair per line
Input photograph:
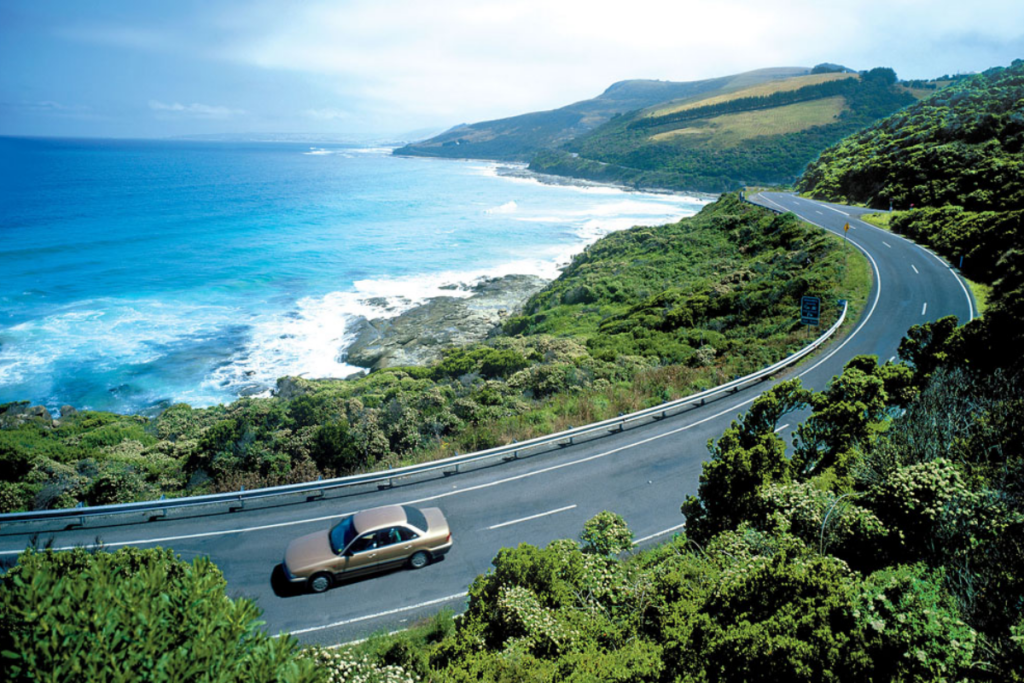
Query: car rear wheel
x,y
318,583
419,560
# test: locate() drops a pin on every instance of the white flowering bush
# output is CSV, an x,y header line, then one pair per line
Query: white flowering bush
x,y
341,665
911,625
606,533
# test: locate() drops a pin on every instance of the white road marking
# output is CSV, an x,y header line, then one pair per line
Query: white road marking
x,y
527,519
355,620
970,302
818,212
659,533
892,358
915,269
924,309
545,470
832,208
886,244
781,428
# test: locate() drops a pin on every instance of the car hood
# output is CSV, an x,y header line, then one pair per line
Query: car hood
x,y
309,552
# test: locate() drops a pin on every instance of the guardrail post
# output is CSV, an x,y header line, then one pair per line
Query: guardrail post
x,y
78,521
157,514
237,505
515,453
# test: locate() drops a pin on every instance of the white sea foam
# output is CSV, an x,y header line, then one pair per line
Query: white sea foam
x,y
309,341
372,150
103,333
506,208
309,337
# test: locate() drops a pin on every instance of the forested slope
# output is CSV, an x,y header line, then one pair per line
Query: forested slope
x,y
952,166
961,146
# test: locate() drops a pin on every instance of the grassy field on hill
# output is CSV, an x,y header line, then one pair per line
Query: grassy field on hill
x,y
729,130
761,90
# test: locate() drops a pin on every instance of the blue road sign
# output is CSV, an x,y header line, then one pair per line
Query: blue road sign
x,y
810,310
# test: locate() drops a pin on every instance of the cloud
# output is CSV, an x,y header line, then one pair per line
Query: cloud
x,y
196,110
131,37
466,60
46,106
327,114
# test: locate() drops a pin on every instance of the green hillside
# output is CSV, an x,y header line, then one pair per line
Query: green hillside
x,y
518,138
758,135
952,166
961,146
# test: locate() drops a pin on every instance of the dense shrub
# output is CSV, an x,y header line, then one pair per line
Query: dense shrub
x,y
134,615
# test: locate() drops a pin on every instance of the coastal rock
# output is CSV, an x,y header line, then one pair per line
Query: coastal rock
x,y
291,387
67,411
16,414
418,336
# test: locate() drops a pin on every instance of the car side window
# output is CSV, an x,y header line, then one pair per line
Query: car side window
x,y
407,534
391,536
364,542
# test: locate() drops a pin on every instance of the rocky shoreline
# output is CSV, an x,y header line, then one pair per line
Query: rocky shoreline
x,y
420,335
522,172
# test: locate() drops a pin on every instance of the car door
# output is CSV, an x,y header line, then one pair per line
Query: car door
x,y
396,545
362,554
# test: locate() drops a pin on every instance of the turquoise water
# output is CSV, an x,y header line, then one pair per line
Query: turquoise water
x,y
138,273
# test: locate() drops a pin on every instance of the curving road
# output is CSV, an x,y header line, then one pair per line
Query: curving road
x,y
643,473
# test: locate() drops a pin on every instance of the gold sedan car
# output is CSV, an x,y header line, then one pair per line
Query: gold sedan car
x,y
368,541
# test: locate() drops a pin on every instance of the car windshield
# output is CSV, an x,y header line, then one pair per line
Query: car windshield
x,y
342,534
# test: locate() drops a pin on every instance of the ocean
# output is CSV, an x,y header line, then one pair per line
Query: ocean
x,y
137,274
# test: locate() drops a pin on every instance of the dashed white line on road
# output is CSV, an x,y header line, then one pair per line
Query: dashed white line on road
x,y
677,527
832,208
915,269
527,519
924,309
781,428
886,244
892,358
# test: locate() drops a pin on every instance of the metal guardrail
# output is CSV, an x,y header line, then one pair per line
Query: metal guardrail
x,y
153,510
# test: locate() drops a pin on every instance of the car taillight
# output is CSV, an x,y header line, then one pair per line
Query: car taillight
x,y
449,539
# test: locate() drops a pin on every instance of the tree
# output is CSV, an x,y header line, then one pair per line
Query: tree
x,y
748,457
845,414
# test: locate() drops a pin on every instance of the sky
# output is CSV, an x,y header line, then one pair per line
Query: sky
x,y
398,69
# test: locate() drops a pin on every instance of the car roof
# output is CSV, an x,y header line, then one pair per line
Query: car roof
x,y
386,516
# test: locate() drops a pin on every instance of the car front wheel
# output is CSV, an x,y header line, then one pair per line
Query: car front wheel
x,y
419,560
318,583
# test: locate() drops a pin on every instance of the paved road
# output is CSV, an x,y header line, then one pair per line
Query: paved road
x,y
643,473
